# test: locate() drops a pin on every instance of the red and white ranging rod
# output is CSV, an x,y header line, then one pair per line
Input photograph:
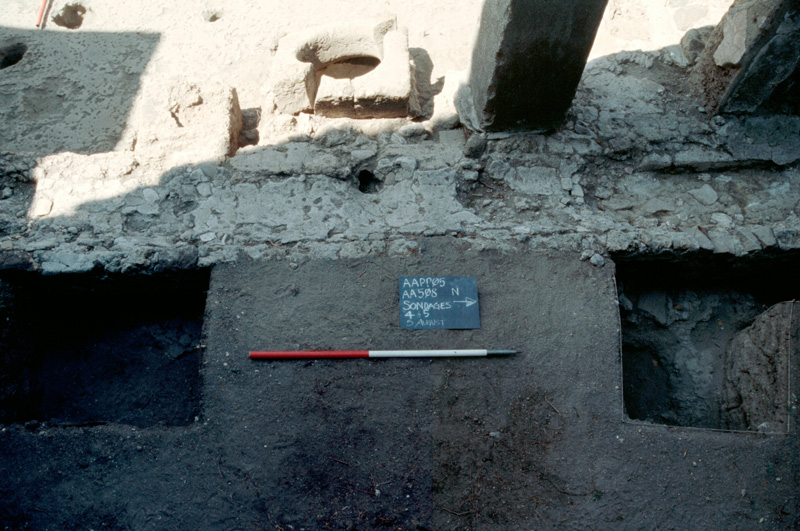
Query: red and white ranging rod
x,y
320,354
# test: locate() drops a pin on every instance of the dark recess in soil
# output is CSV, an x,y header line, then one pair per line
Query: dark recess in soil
x,y
678,319
84,349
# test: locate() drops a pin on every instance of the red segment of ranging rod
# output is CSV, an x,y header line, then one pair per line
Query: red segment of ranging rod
x,y
41,13
319,354
308,354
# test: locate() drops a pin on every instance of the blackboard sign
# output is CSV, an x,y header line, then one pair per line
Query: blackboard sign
x,y
428,303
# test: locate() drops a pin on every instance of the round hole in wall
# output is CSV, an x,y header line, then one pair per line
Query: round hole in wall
x,y
367,182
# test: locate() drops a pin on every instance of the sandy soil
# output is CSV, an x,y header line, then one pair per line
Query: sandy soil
x,y
233,43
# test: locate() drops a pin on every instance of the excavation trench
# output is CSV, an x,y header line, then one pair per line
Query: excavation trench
x,y
706,341
89,349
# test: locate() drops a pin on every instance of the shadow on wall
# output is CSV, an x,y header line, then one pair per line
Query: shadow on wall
x,y
137,215
54,96
427,88
195,214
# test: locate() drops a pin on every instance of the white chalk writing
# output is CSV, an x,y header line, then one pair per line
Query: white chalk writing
x,y
438,302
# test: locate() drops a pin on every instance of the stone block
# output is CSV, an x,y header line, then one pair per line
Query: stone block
x,y
527,60
384,92
705,195
335,98
387,91
186,122
293,80
752,59
756,374
354,71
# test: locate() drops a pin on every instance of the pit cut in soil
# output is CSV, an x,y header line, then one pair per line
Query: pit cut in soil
x,y
706,341
85,349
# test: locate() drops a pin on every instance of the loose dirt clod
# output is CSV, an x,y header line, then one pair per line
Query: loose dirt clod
x,y
70,17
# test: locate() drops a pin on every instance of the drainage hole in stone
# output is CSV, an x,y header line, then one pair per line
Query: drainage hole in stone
x,y
11,54
705,342
367,182
70,17
84,349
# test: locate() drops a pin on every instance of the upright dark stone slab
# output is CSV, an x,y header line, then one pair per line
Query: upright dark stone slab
x,y
752,59
527,60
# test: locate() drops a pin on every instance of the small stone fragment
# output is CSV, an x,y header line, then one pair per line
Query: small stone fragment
x,y
694,42
722,220
655,304
749,241
726,243
764,235
42,207
656,205
407,163
360,155
700,237
470,176
705,194
620,241
150,195
475,146
412,130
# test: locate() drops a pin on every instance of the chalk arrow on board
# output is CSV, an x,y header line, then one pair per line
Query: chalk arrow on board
x,y
469,302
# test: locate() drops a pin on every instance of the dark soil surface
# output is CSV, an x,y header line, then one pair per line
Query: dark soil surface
x,y
533,441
